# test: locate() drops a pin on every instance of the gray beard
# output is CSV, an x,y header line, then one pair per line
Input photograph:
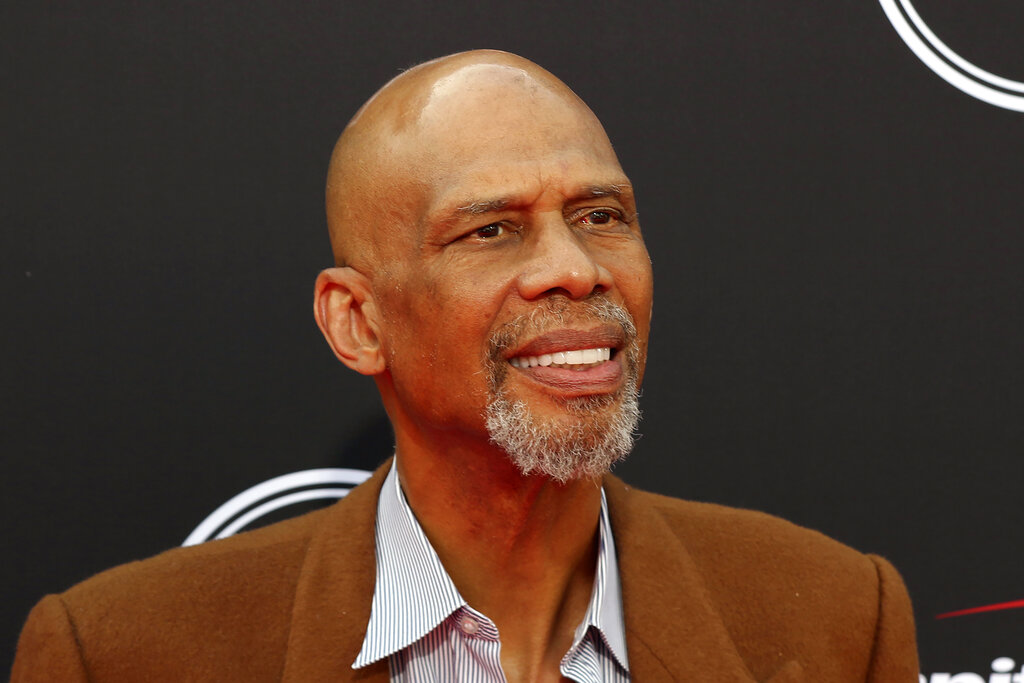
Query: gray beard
x,y
605,426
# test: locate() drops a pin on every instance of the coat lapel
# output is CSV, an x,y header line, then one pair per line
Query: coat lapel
x,y
335,591
673,631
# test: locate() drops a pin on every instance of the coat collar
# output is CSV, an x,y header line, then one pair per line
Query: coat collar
x,y
672,628
334,592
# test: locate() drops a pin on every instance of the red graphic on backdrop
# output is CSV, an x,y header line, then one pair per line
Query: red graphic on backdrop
x,y
1013,604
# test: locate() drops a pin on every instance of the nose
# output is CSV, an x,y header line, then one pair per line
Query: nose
x,y
561,262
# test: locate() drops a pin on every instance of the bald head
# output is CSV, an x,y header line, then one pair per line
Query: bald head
x,y
422,125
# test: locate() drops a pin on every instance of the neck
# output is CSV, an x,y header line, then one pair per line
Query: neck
x,y
521,549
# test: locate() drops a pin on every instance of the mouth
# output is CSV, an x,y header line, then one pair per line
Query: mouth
x,y
573,362
570,359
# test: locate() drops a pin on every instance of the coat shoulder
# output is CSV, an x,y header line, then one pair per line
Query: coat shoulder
x,y
725,536
199,612
782,591
215,567
224,603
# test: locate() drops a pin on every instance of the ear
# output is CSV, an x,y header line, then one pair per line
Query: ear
x,y
345,311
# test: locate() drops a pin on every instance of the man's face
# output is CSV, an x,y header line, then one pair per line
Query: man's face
x,y
522,274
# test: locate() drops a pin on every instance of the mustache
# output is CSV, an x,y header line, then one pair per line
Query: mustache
x,y
556,311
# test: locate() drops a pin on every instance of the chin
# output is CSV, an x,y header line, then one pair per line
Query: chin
x,y
590,435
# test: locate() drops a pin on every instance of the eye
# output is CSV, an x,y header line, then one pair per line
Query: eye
x,y
497,232
602,218
599,218
490,231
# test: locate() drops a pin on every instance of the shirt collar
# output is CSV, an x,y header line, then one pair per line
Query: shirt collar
x,y
413,593
605,609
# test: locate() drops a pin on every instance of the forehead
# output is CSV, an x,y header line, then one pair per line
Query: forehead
x,y
507,135
521,184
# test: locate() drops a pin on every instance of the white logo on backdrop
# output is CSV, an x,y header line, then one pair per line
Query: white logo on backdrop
x,y
1003,671
953,68
274,494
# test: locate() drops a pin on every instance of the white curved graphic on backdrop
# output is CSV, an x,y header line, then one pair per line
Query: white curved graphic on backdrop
x,y
274,494
970,79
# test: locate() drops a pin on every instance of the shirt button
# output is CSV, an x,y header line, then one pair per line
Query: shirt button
x,y
469,626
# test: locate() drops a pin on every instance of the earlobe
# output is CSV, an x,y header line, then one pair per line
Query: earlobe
x,y
346,313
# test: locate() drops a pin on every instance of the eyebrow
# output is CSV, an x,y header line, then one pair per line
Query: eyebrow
x,y
594,191
485,206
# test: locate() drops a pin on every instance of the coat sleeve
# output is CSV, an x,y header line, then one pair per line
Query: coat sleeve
x,y
48,649
894,657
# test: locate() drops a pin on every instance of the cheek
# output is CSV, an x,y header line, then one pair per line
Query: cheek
x,y
469,296
443,313
406,335
635,282
635,279
437,336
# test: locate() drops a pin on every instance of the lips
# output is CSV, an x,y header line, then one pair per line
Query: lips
x,y
573,362
604,335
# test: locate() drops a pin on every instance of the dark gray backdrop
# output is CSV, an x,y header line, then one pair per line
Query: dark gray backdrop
x,y
836,235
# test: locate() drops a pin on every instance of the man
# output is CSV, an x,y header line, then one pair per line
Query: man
x,y
491,276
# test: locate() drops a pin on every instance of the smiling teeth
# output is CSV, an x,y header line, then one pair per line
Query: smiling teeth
x,y
563,358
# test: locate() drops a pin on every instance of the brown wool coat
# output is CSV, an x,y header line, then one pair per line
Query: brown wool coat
x,y
710,594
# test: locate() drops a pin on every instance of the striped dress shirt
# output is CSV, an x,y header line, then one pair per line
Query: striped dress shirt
x,y
428,632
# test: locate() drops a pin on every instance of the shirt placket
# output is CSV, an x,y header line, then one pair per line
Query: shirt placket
x,y
476,638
